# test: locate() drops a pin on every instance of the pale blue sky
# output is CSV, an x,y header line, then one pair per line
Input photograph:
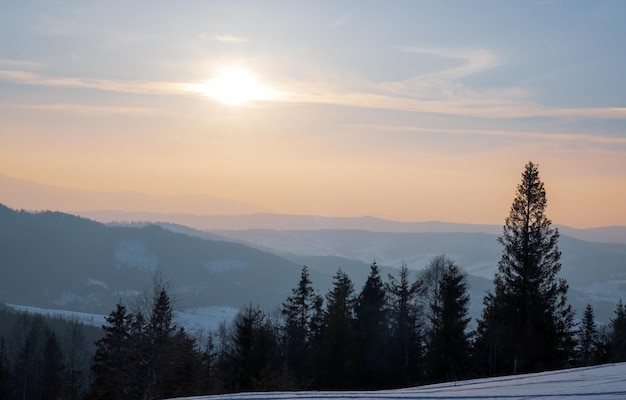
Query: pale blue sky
x,y
392,109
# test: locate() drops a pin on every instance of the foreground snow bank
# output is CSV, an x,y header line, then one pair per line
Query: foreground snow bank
x,y
605,382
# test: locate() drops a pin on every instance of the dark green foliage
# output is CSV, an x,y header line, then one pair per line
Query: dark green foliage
x,y
51,253
5,370
139,359
617,341
405,334
338,363
527,324
252,362
372,325
35,354
53,374
587,338
114,370
303,316
447,356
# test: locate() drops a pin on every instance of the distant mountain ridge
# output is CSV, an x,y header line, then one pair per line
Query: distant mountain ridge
x,y
57,260
284,222
24,194
213,213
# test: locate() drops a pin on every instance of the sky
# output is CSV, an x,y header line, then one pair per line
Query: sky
x,y
405,110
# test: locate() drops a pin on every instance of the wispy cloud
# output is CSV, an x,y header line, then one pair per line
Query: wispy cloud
x,y
137,87
87,110
444,92
536,136
224,38
12,63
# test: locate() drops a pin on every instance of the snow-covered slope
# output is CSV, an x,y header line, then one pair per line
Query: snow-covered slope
x,y
605,382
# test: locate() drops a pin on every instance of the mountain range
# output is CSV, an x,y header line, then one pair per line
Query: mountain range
x,y
58,260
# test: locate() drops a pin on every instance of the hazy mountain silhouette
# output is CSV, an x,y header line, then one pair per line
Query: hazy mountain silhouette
x,y
283,222
57,260
24,194
52,259
595,271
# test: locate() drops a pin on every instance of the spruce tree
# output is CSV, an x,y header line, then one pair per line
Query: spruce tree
x,y
114,367
587,338
53,373
527,324
339,363
302,312
447,355
617,341
255,353
405,347
372,327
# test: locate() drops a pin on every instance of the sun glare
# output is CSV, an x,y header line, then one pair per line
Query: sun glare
x,y
236,86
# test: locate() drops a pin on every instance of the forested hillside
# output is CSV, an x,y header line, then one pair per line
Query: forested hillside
x,y
56,260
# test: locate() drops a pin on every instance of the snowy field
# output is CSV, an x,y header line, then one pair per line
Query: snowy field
x,y
194,320
605,382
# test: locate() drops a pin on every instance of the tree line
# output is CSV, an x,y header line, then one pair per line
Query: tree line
x,y
395,332
44,357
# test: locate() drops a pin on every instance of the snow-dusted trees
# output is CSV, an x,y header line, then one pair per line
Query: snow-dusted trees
x,y
527,324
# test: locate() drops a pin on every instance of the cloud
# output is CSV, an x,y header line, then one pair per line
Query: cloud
x,y
11,63
440,92
444,92
536,136
230,39
136,87
86,110
474,61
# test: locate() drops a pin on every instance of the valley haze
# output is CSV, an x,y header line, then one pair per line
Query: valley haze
x,y
58,261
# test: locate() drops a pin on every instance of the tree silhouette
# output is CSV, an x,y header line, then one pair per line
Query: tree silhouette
x,y
447,355
405,347
587,337
526,324
302,313
339,360
372,327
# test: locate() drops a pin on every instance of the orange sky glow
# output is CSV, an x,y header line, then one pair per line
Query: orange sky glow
x,y
299,116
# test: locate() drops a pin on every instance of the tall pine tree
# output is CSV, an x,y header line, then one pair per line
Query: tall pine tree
x,y
447,355
302,312
587,338
372,327
617,338
405,347
527,324
338,362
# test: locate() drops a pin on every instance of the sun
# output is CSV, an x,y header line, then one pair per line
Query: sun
x,y
236,86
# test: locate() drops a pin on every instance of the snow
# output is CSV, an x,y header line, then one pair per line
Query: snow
x,y
85,318
202,319
194,320
225,264
96,282
605,382
135,254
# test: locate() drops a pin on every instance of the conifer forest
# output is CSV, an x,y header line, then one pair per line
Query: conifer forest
x,y
401,330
